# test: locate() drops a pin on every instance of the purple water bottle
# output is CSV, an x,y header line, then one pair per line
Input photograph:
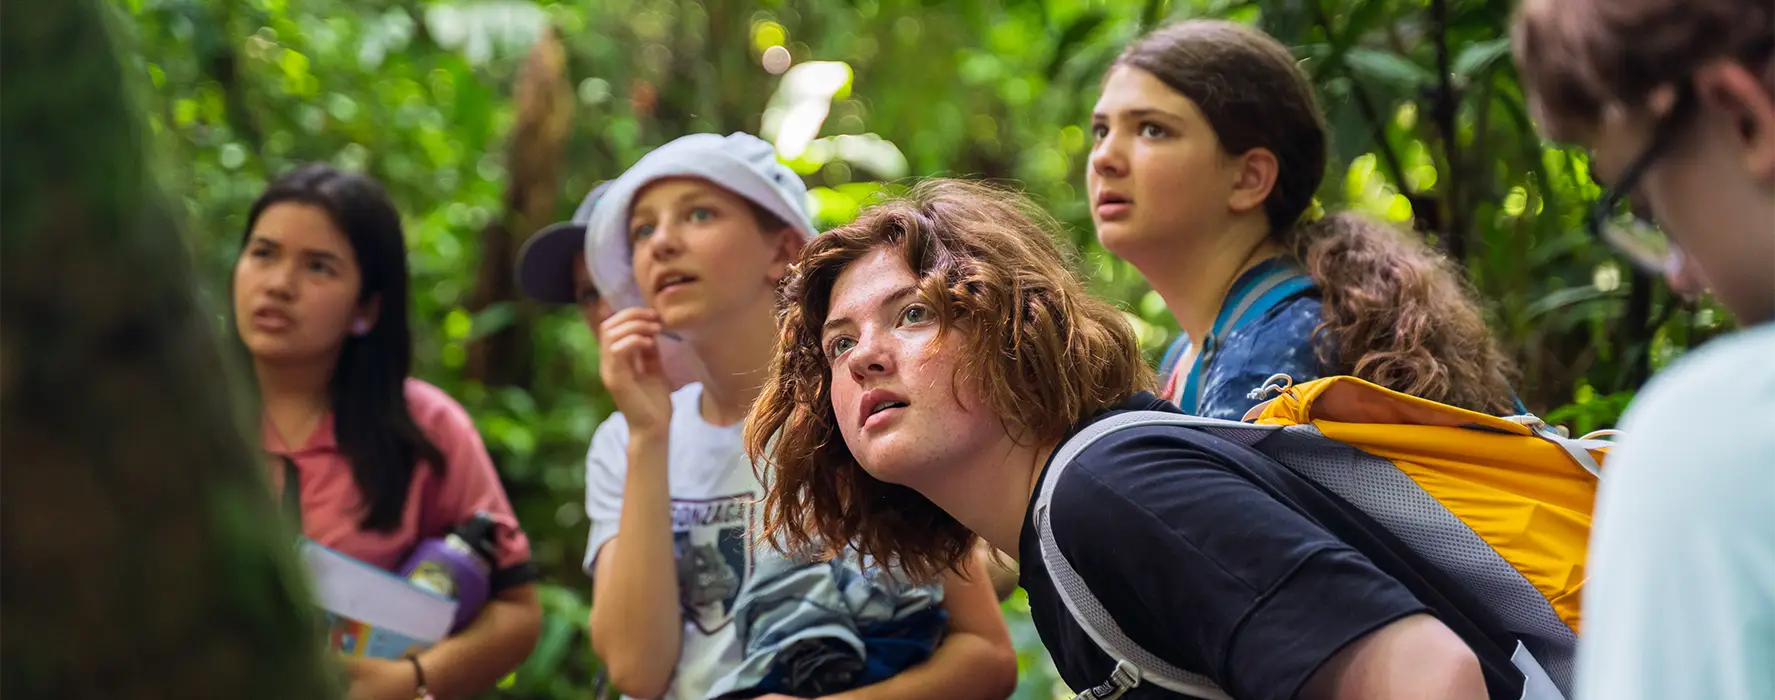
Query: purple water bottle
x,y
458,565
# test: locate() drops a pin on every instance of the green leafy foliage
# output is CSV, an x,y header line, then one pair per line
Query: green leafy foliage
x,y
1430,130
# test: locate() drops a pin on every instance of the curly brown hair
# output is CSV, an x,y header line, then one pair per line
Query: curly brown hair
x,y
1396,312
1041,350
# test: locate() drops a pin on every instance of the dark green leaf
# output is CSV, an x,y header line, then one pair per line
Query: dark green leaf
x,y
1388,68
1479,57
558,635
1564,299
1363,19
496,317
1154,11
1075,34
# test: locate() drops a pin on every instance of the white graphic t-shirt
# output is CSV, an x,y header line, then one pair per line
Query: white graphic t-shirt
x,y
714,508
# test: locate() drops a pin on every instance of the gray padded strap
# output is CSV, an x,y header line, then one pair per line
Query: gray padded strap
x,y
1536,684
1103,629
1083,605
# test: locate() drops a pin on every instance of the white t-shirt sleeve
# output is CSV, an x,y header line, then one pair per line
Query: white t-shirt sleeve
x,y
607,467
1680,596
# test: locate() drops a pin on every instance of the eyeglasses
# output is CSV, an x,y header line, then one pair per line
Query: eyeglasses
x,y
1613,218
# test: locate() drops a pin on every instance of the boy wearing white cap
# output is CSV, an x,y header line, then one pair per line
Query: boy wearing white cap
x,y
552,270
687,247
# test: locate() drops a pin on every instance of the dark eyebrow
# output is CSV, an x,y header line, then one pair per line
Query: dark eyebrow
x,y
327,255
897,295
1142,112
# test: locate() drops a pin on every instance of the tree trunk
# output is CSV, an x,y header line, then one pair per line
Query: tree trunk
x,y
501,357
141,555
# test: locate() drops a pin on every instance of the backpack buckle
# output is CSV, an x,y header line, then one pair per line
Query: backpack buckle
x,y
1124,678
1277,383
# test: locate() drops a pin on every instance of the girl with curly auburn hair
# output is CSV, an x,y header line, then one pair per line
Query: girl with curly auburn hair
x,y
1675,102
1044,353
933,354
1209,146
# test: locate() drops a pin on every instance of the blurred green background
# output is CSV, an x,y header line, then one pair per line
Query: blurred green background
x,y
488,119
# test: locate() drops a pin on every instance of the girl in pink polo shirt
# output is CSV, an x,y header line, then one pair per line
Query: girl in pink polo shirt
x,y
381,461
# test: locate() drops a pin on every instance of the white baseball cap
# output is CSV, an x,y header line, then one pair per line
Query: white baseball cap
x,y
740,163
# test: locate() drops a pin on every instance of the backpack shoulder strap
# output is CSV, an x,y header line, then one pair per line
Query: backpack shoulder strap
x,y
1278,282
1085,608
1278,286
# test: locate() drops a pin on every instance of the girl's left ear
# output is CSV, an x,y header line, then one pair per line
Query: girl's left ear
x,y
788,250
367,314
1738,93
1252,181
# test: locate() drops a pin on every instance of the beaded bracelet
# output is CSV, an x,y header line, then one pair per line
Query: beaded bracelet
x,y
422,693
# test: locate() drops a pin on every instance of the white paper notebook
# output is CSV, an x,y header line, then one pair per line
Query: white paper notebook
x,y
351,588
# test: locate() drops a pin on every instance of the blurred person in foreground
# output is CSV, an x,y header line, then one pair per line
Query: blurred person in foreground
x,y
139,558
1675,99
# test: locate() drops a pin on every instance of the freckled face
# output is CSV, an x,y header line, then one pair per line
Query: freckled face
x,y
893,388
700,256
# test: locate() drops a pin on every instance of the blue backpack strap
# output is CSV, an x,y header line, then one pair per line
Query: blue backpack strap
x,y
1264,288
1267,294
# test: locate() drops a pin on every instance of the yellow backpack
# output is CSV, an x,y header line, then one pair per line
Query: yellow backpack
x,y
1499,507
1523,489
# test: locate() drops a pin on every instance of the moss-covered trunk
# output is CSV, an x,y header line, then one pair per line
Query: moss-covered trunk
x,y
533,165
140,553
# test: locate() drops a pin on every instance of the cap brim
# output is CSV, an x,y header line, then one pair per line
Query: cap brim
x,y
545,265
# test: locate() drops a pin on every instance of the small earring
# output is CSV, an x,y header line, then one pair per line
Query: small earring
x,y
360,327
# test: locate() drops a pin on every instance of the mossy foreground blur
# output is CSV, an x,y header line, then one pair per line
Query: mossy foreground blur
x,y
142,556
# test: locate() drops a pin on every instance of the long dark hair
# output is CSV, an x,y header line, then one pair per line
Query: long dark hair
x,y
371,422
1396,312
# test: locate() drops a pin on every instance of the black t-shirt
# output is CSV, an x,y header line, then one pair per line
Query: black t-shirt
x,y
1199,566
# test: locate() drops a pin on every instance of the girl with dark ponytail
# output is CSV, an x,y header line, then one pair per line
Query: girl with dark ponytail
x,y
372,461
1209,147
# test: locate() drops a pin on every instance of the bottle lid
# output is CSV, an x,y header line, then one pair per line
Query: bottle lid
x,y
481,533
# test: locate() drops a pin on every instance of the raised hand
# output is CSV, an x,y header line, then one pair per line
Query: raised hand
x,y
631,369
